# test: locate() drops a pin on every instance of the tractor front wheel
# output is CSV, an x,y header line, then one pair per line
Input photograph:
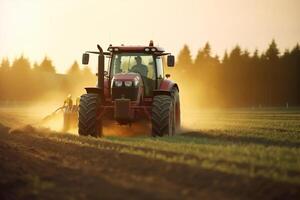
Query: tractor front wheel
x,y
88,124
163,116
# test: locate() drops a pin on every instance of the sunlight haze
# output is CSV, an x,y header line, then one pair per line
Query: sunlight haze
x,y
64,29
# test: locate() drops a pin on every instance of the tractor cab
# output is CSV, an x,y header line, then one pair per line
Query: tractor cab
x,y
144,61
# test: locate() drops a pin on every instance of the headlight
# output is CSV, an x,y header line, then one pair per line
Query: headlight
x,y
136,82
118,83
128,83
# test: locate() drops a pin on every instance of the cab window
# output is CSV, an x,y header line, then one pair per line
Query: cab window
x,y
159,64
133,62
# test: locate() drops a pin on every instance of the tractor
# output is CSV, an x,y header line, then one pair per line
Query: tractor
x,y
132,88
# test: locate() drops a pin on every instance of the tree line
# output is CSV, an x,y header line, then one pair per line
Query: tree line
x,y
240,78
237,79
22,81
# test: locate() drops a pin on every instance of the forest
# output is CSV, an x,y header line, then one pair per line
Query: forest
x,y
238,78
22,81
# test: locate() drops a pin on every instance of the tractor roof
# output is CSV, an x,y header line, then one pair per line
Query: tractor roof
x,y
148,49
151,49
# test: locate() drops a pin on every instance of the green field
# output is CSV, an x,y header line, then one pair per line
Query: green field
x,y
223,154
262,143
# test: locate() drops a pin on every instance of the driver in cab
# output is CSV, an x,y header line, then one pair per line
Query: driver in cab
x,y
139,67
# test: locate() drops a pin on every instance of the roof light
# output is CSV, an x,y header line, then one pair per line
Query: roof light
x,y
147,49
153,49
110,49
116,49
151,44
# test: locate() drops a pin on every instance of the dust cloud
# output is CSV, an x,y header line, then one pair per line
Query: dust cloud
x,y
39,114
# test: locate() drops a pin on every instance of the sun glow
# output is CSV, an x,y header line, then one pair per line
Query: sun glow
x,y
64,29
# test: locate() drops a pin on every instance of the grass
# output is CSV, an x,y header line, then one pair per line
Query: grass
x,y
253,143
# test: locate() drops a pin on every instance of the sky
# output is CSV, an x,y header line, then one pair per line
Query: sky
x,y
64,29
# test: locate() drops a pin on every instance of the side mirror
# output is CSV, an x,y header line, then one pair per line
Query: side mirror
x,y
170,61
85,58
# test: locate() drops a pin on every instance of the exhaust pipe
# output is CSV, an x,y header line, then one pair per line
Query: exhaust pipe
x,y
101,70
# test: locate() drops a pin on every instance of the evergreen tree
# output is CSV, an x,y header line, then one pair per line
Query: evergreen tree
x,y
46,66
216,59
225,57
255,55
74,69
5,65
286,53
296,52
184,57
203,55
199,58
272,52
21,65
207,50
204,60
235,54
246,54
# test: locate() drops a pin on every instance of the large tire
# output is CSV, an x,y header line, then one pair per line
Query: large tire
x,y
88,112
163,122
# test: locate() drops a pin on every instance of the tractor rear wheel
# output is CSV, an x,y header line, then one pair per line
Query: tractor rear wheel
x,y
88,124
163,116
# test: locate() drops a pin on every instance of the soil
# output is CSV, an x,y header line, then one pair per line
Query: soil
x,y
34,166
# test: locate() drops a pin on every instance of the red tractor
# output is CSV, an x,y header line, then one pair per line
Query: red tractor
x,y
133,88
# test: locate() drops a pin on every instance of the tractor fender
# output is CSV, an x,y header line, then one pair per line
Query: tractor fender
x,y
93,90
168,85
97,90
165,88
162,92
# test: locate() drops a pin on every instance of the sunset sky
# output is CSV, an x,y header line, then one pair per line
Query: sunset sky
x,y
63,29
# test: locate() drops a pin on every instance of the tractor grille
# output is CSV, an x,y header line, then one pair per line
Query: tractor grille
x,y
125,92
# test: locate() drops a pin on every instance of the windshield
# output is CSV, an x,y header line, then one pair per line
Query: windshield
x,y
133,62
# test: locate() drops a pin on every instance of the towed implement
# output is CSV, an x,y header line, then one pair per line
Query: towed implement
x,y
69,112
133,88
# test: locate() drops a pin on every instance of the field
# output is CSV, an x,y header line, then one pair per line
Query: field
x,y
220,154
